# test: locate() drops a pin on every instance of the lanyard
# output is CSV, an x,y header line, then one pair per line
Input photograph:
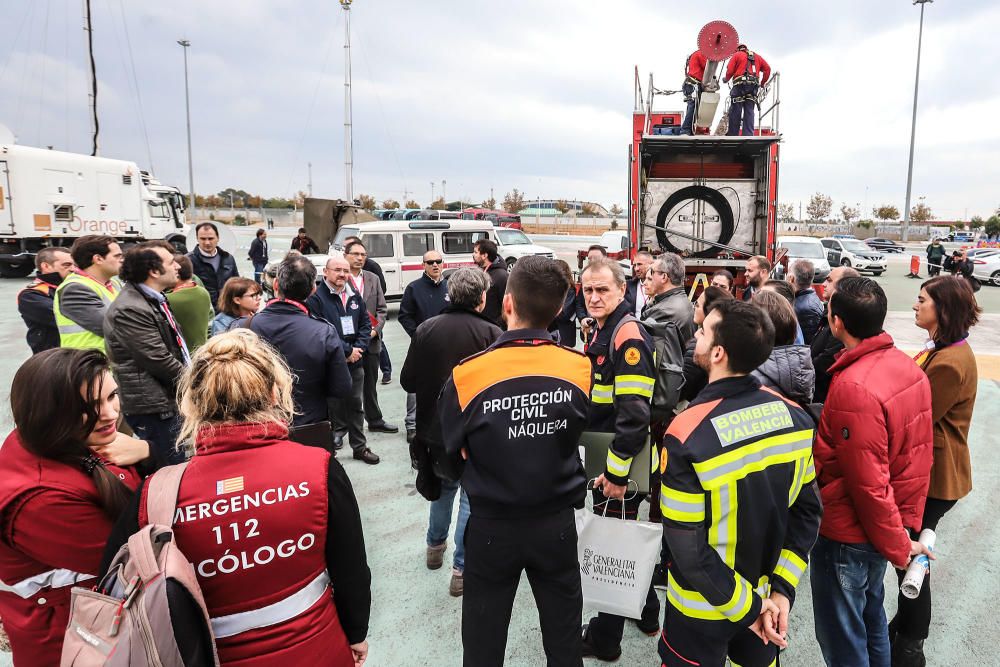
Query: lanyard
x,y
294,303
177,332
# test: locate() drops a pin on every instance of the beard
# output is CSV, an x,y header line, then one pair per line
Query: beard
x,y
702,361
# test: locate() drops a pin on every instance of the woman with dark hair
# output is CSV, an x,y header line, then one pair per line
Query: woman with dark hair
x,y
695,378
723,279
946,309
240,297
59,493
789,367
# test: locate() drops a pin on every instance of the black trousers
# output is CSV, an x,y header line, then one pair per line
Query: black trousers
x,y
496,552
373,413
913,617
347,415
682,645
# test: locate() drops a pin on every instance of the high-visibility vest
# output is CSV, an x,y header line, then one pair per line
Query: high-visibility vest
x,y
71,334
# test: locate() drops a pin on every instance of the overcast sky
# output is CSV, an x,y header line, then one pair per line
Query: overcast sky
x,y
533,94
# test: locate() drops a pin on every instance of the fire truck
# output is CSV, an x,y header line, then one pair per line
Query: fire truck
x,y
706,196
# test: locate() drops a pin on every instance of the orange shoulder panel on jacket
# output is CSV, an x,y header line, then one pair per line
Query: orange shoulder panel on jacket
x,y
687,421
475,375
626,332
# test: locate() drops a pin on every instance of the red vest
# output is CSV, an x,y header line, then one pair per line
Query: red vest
x,y
34,595
252,519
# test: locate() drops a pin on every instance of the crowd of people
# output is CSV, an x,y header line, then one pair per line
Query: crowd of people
x,y
786,428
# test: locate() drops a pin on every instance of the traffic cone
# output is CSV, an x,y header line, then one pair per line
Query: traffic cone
x,y
914,267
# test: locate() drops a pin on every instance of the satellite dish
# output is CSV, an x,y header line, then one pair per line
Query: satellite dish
x,y
6,136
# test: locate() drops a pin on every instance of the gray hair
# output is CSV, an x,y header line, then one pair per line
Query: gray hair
x,y
466,287
804,272
617,272
296,278
672,266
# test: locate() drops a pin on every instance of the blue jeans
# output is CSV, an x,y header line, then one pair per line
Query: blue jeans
x,y
383,360
437,529
258,270
688,124
848,592
160,431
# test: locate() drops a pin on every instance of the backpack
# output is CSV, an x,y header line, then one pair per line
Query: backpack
x,y
668,365
125,619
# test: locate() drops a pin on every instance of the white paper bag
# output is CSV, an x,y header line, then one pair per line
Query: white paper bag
x,y
617,558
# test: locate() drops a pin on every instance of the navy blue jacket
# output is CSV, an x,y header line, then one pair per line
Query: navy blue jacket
x,y
809,311
324,303
313,351
214,280
422,300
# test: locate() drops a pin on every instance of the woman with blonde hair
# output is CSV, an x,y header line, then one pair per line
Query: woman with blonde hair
x,y
271,526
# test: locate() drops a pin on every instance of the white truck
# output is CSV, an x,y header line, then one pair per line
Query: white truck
x,y
50,198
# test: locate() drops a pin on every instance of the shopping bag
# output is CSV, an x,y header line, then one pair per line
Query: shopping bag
x,y
617,558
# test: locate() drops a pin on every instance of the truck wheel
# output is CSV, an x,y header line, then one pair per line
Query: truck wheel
x,y
179,244
510,262
16,269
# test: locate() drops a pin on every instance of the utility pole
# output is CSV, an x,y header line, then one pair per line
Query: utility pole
x,y
348,140
187,105
444,191
89,29
913,124
310,179
432,192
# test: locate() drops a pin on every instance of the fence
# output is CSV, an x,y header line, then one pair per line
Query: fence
x,y
571,225
882,230
282,217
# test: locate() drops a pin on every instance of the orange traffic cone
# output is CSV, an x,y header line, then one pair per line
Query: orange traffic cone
x,y
914,267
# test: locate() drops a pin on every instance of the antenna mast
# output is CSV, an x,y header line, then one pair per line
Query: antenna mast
x,y
348,140
88,28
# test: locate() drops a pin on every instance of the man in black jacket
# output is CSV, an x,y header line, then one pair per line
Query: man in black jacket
x,y
370,265
146,348
34,302
310,344
211,263
424,298
825,346
460,331
486,257
808,307
258,254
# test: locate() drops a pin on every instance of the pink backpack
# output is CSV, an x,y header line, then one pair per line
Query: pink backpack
x,y
130,625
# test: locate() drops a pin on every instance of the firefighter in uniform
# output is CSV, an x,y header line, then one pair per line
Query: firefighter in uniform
x,y
621,354
694,73
516,412
740,506
748,71
35,301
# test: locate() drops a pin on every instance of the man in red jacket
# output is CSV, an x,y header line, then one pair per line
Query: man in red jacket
x,y
694,73
873,456
748,72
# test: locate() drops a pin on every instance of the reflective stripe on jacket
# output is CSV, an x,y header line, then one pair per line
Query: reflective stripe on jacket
x,y
72,334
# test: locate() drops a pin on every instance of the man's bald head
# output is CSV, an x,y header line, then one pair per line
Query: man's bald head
x,y
336,271
835,276
336,259
433,265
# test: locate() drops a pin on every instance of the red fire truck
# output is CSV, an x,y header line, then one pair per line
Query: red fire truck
x,y
708,197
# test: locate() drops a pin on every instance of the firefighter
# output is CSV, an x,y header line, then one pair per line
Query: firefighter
x,y
732,578
748,71
621,354
694,73
516,412
35,301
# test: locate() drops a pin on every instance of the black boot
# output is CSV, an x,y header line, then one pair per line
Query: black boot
x,y
908,652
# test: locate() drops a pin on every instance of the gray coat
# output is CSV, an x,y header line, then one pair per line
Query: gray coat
x,y
374,299
145,356
790,370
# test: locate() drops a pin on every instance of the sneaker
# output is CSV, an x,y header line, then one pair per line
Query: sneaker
x,y
338,441
590,651
367,455
384,427
435,556
457,585
386,378
411,433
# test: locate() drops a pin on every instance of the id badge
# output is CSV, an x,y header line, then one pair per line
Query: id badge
x,y
347,325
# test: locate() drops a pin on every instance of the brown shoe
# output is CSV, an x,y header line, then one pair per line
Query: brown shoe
x,y
435,556
366,455
457,585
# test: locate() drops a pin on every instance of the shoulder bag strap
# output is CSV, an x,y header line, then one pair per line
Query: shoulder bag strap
x,y
161,497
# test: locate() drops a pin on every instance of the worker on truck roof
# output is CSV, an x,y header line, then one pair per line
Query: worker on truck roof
x,y
748,72
694,71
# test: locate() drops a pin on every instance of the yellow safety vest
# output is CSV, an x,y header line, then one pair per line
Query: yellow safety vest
x,y
71,334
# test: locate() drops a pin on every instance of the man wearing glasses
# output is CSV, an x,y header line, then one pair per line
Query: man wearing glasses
x,y
424,298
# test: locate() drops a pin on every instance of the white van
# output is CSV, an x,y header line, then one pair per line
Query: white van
x,y
399,246
807,247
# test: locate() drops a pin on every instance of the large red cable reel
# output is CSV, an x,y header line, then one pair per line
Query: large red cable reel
x,y
718,40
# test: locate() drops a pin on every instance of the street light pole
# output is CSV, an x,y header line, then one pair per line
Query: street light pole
x,y
187,105
348,137
913,124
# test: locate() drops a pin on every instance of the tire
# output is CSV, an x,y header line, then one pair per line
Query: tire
x,y
845,262
16,269
995,278
510,262
179,243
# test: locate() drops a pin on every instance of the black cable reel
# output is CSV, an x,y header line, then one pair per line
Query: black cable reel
x,y
713,198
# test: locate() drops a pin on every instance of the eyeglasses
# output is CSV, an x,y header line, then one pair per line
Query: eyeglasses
x,y
433,261
254,295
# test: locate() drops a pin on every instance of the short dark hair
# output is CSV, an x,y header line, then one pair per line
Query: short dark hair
x,y
861,304
186,267
955,305
302,230
538,287
488,248
261,232
782,287
725,274
142,259
296,278
604,251
745,332
85,247
235,288
714,296
781,314
202,225
48,255
351,244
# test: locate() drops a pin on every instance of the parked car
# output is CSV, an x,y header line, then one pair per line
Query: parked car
x,y
986,267
615,242
852,252
885,245
806,247
961,237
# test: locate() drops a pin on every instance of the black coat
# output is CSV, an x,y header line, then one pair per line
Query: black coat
x,y
565,322
327,305
497,271
34,302
313,351
214,280
258,252
373,266
422,300
824,349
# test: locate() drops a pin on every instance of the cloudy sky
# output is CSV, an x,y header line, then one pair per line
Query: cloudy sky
x,y
533,94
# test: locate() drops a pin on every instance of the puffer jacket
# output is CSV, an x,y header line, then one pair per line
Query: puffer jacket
x,y
146,358
789,369
874,448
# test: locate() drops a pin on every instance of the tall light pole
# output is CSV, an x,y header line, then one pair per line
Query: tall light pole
x,y
348,138
432,192
444,191
913,124
187,105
